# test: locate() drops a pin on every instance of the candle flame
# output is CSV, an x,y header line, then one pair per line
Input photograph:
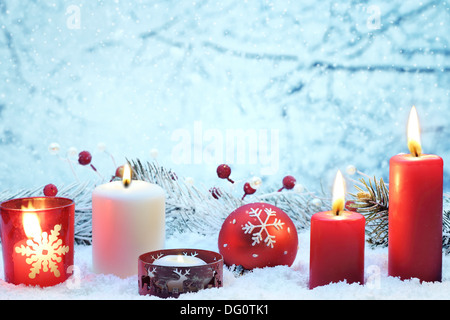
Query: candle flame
x,y
338,194
30,222
126,177
414,133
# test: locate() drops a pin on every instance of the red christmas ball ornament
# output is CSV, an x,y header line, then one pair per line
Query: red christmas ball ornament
x,y
84,158
288,183
258,235
50,190
224,171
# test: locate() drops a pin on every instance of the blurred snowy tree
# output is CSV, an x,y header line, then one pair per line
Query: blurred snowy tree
x,y
336,79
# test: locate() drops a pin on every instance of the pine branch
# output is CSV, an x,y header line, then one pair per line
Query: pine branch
x,y
372,201
188,207
446,224
299,206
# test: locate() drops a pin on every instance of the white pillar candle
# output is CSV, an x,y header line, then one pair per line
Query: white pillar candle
x,y
128,219
178,260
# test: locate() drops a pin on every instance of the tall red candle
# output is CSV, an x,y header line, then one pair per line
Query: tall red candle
x,y
336,244
415,212
37,237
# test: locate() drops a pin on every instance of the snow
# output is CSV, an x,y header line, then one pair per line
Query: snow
x,y
270,283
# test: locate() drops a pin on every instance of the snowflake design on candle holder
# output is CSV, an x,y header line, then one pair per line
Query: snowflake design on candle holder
x,y
257,236
44,252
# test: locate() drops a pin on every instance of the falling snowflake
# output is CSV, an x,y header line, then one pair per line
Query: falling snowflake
x,y
257,237
44,252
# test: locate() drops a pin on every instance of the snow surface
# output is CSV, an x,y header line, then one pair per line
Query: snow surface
x,y
274,283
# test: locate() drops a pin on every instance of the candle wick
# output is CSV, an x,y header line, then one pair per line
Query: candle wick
x,y
414,148
415,153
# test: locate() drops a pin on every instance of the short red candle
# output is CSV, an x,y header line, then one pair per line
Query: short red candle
x,y
415,217
37,237
336,244
336,248
415,211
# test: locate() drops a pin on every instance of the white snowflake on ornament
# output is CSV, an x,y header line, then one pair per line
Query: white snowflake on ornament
x,y
257,237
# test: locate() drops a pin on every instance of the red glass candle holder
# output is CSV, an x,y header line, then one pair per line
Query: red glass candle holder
x,y
166,281
37,237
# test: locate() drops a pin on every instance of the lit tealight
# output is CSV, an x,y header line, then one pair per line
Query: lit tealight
x,y
179,261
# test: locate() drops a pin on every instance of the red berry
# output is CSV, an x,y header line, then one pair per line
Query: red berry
x,y
248,190
215,192
224,171
349,205
50,190
288,183
173,176
119,172
84,158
